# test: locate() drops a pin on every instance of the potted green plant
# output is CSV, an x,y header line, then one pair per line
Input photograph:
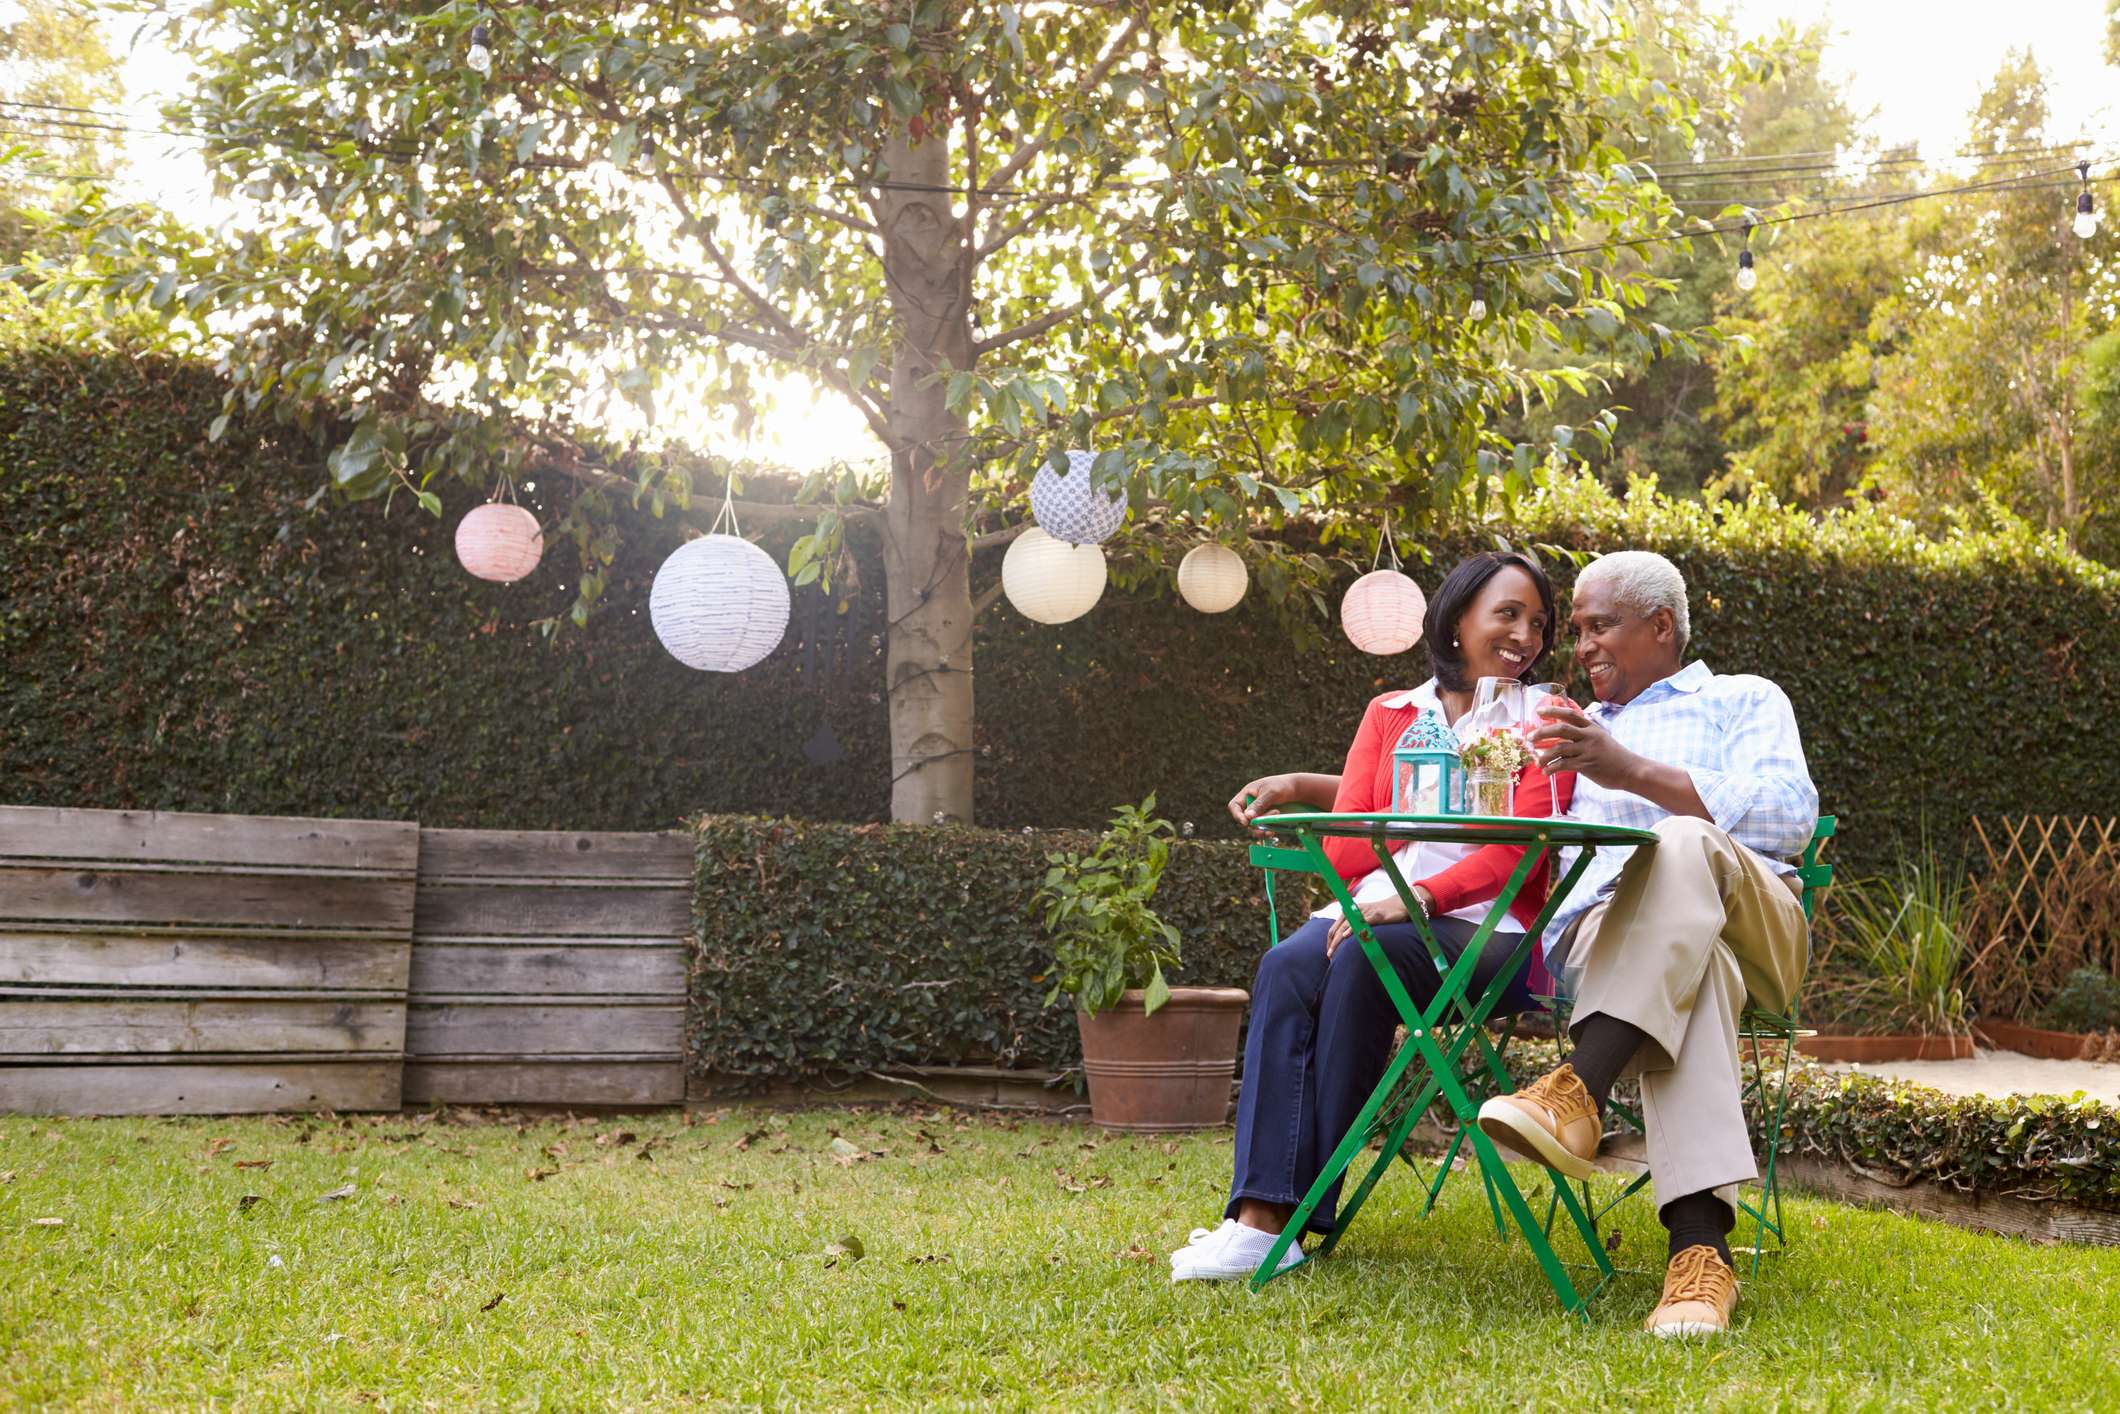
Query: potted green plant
x,y
1157,1057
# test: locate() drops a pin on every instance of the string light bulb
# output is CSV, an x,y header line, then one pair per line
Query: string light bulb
x,y
1747,274
1477,310
2086,222
480,59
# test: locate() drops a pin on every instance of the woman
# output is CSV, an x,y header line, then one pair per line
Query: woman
x,y
1321,1023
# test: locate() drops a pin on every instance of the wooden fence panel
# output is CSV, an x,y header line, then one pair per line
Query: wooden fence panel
x,y
549,968
158,963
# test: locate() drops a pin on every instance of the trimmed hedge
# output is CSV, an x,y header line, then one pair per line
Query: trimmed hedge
x,y
826,948
2037,1147
183,631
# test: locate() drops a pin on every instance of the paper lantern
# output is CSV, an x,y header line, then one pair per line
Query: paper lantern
x,y
1382,612
1212,578
499,542
719,604
1050,581
1069,507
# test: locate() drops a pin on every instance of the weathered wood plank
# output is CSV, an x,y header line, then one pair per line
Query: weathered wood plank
x,y
204,901
263,1087
180,960
596,1025
520,1082
548,969
164,836
84,1026
549,854
511,910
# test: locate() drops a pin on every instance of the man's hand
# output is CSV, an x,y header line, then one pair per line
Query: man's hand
x,y
1570,741
1383,910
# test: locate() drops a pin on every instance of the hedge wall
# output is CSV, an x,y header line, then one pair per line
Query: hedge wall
x,y
183,631
826,947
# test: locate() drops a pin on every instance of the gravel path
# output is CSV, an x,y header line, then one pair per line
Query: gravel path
x,y
2001,1073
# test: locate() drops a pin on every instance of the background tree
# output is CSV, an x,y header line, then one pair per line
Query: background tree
x,y
1235,247
52,60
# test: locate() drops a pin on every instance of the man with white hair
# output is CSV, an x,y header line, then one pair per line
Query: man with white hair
x,y
1660,946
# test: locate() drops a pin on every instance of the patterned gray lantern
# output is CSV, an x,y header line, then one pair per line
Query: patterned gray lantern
x,y
1068,507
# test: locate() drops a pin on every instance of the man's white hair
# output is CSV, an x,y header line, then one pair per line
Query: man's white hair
x,y
1643,581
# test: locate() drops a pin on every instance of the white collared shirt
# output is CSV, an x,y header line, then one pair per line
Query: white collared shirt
x,y
1421,858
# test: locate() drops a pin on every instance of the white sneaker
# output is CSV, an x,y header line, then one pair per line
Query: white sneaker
x,y
1230,1252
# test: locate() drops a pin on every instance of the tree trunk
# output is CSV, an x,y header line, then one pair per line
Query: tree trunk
x,y
928,662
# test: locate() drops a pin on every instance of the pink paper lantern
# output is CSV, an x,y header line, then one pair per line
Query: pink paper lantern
x,y
1382,612
498,542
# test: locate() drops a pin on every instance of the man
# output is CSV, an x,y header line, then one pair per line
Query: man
x,y
1660,947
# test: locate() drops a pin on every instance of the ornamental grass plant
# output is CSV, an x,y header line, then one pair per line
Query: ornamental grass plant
x,y
1905,933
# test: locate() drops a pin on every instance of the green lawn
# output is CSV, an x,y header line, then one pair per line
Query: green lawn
x,y
1006,1263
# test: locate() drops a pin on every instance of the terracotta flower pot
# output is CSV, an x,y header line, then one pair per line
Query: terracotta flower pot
x,y
1167,1071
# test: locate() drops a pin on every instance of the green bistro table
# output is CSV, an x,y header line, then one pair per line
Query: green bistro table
x,y
1299,848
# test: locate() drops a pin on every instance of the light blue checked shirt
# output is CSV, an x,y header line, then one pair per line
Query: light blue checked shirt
x,y
1736,736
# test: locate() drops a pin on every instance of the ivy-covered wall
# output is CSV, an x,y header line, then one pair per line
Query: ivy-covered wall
x,y
182,629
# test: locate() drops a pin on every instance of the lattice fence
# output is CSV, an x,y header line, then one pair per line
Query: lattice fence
x,y
2046,903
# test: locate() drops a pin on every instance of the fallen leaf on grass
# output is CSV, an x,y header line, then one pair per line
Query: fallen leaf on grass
x,y
7,1175
847,1155
47,1222
752,1138
498,1297
253,1163
1137,1253
215,1146
554,1151
928,1260
736,1187
462,1203
249,1200
539,1175
848,1248
390,1200
336,1194
616,1136
897,1305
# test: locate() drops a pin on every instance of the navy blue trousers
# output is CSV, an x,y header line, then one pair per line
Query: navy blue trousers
x,y
1320,1038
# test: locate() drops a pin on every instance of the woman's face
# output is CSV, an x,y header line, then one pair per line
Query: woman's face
x,y
1505,627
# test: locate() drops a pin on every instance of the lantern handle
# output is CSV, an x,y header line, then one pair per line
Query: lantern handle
x,y
728,507
1383,541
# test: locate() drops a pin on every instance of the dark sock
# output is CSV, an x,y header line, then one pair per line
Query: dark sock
x,y
1603,1046
1699,1220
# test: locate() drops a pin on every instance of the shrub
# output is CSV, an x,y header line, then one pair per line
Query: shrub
x,y
1106,937
1907,933
2089,1000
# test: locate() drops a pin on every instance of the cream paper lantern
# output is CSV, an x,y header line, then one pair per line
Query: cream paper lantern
x,y
1068,506
719,604
1050,581
1382,612
499,542
1212,578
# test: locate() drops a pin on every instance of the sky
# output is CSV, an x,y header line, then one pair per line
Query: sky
x,y
1915,66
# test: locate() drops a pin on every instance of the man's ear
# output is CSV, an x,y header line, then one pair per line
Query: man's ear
x,y
1665,625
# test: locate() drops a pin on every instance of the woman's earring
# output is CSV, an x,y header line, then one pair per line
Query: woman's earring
x,y
1453,640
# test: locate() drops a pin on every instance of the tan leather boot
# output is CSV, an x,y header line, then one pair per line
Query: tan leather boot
x,y
1700,1292
1552,1120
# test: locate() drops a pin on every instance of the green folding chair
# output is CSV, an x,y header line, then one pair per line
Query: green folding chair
x,y
1757,1028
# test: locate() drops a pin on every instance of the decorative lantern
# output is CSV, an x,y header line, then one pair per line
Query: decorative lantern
x,y
1427,775
1382,612
1050,581
499,542
719,604
1068,506
1212,578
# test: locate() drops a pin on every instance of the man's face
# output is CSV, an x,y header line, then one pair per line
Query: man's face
x,y
1622,650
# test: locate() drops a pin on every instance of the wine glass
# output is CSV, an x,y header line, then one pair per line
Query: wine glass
x,y
1496,702
1536,696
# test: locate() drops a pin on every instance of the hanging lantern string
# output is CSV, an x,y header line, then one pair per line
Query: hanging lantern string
x,y
1384,542
728,508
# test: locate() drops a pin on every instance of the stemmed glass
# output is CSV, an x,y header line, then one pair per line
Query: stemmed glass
x,y
1536,696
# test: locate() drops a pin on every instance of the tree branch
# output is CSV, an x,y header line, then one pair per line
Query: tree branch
x,y
986,599
1054,317
1028,151
991,538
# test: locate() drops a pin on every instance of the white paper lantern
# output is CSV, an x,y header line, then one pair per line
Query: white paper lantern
x,y
719,604
1050,581
1069,507
1382,612
1212,578
499,542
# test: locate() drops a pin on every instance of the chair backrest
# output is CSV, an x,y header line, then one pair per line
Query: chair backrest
x,y
1815,873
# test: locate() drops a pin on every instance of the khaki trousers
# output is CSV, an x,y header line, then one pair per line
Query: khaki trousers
x,y
1695,926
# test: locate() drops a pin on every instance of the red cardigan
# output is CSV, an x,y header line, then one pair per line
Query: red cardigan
x,y
1365,787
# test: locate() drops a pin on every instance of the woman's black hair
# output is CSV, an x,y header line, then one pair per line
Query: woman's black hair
x,y
1455,595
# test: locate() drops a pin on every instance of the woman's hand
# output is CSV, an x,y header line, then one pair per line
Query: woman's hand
x,y
1383,910
1262,795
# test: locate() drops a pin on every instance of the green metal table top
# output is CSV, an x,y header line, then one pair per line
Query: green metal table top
x,y
1456,829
